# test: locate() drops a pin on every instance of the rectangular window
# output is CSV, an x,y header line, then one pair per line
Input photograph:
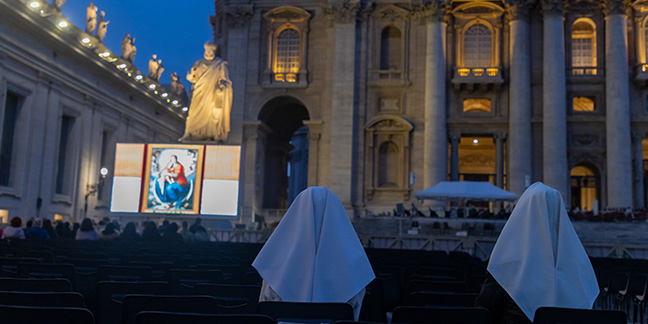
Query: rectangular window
x,y
583,104
64,152
12,105
476,105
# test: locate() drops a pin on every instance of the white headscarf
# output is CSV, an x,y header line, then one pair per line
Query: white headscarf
x,y
315,255
538,258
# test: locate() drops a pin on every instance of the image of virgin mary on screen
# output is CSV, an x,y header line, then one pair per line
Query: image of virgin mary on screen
x,y
172,182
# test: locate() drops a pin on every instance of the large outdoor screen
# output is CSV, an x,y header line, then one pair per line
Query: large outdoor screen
x,y
176,179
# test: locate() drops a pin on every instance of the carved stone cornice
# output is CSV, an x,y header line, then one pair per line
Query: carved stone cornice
x,y
238,15
342,11
518,9
553,7
427,11
615,7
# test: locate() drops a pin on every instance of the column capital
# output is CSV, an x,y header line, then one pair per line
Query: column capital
x,y
553,7
238,15
429,11
499,136
342,11
637,136
252,129
454,137
615,7
518,9
314,129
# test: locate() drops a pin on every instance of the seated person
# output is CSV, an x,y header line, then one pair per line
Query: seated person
x,y
537,261
314,255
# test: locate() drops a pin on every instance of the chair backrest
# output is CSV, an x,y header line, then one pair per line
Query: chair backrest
x,y
51,315
48,271
44,299
183,281
124,273
110,297
230,296
35,285
150,317
133,304
556,315
294,312
441,299
455,315
436,286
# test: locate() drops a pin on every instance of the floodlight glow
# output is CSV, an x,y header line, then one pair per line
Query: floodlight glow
x,y
85,40
185,109
34,4
164,95
475,141
121,66
138,77
105,54
175,102
63,24
152,86
104,172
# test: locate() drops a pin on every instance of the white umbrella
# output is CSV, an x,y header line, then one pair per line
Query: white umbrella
x,y
466,190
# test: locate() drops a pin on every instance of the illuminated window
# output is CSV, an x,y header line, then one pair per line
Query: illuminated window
x,y
583,104
645,35
583,43
477,46
287,56
476,105
390,48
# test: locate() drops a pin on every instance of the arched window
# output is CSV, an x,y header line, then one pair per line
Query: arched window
x,y
388,165
288,55
583,43
584,186
390,48
477,46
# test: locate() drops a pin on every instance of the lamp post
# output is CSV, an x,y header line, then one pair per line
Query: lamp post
x,y
92,189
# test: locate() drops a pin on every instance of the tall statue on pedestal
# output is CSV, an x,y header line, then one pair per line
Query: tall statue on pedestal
x,y
211,101
91,18
102,27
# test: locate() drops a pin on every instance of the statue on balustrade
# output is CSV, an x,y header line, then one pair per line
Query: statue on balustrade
x,y
152,66
177,88
211,100
128,48
58,4
91,18
102,29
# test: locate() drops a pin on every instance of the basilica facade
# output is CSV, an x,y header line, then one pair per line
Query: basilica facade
x,y
380,99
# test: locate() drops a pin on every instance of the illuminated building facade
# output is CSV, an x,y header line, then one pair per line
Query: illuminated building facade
x,y
383,98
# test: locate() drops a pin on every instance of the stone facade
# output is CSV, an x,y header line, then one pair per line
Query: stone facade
x,y
399,95
63,109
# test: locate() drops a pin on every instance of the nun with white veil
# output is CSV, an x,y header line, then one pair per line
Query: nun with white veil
x,y
314,255
537,261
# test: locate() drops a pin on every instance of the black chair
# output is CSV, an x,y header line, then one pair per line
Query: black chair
x,y
441,299
436,286
48,271
35,285
306,312
232,298
110,297
124,273
556,315
356,322
44,299
182,282
134,304
50,315
175,318
424,315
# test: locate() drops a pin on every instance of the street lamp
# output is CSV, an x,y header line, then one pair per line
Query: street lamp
x,y
92,189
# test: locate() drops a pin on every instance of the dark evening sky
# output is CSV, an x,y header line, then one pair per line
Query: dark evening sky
x,y
174,30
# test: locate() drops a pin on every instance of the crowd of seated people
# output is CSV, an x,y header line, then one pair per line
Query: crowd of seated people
x,y
314,257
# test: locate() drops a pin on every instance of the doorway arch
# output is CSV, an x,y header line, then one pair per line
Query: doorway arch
x,y
585,186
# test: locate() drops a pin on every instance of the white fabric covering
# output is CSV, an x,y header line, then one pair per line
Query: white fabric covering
x,y
538,258
315,255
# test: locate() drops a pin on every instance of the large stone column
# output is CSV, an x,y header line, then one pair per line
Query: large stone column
x,y
314,136
520,141
554,101
237,18
637,138
454,157
499,159
617,106
435,138
343,15
253,154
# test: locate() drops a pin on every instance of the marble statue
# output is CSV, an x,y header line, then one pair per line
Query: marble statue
x,y
128,48
91,18
177,88
58,4
211,100
158,71
102,27
152,66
